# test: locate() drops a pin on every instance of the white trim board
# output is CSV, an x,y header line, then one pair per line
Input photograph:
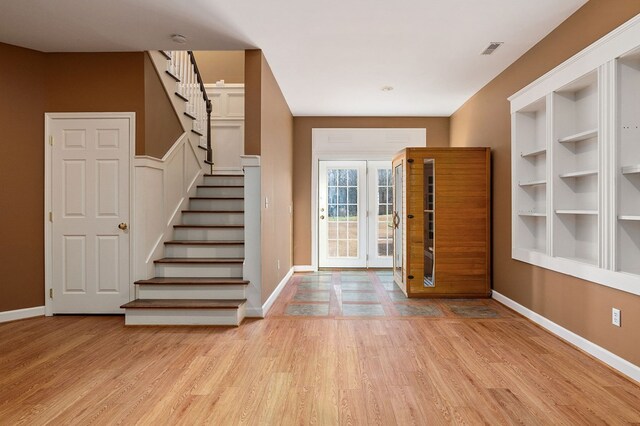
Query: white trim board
x,y
354,144
303,268
19,314
616,43
48,249
261,313
614,361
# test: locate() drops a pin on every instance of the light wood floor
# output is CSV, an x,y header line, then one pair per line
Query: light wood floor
x,y
325,370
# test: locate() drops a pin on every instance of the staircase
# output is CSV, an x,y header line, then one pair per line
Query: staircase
x,y
200,279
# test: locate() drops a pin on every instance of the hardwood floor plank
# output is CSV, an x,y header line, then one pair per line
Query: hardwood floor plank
x,y
326,370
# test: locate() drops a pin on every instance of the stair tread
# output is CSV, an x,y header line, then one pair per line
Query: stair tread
x,y
208,226
193,281
212,211
206,242
223,175
199,260
184,304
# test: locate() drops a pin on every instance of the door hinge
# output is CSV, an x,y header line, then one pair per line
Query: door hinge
x,y
51,140
367,257
50,216
50,293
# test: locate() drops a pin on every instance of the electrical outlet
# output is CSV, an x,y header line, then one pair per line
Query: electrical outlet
x,y
266,202
615,317
278,264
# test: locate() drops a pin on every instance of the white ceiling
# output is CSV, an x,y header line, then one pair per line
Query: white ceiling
x,y
330,57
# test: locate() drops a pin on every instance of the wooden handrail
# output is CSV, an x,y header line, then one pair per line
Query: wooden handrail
x,y
209,106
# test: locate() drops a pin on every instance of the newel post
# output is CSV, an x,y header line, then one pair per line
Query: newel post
x,y
252,269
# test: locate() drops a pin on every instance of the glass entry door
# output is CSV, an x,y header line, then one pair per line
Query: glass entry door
x,y
354,214
380,218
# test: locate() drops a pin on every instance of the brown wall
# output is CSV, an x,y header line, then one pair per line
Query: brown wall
x,y
162,127
31,84
580,306
221,65
437,135
269,133
22,101
92,82
252,101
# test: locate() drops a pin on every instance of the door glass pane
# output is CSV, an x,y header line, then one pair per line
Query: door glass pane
x,y
342,224
397,262
384,218
429,216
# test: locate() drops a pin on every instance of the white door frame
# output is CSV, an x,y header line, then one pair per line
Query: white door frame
x,y
353,144
48,228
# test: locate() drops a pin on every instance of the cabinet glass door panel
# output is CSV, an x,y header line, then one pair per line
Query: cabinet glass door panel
x,y
429,223
398,222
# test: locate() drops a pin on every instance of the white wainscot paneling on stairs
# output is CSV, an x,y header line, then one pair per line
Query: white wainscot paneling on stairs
x,y
189,239
200,278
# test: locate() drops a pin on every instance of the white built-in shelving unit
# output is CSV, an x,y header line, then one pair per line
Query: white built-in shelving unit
x,y
627,168
531,195
575,169
576,164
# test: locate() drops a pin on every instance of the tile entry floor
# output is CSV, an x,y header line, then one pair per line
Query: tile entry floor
x,y
371,293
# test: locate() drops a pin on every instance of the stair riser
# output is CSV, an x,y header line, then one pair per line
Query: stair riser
x,y
224,180
182,291
176,270
216,205
213,218
220,192
218,234
185,316
204,251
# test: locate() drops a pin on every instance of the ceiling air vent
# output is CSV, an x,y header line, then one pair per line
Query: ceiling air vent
x,y
492,47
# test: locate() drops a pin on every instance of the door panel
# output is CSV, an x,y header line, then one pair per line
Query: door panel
x,y
342,205
354,214
89,199
380,216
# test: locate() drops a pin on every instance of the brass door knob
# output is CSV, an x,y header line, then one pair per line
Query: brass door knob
x,y
322,217
123,226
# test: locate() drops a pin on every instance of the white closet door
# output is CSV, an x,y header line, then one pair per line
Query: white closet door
x,y
90,206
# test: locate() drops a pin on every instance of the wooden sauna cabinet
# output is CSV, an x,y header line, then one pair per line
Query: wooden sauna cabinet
x,y
442,222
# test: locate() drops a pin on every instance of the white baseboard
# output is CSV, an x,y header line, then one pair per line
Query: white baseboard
x,y
304,268
622,365
18,314
276,292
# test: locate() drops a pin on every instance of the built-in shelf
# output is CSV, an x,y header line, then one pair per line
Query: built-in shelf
x,y
428,211
587,212
582,136
533,214
589,124
534,153
580,259
579,174
628,217
630,170
533,183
